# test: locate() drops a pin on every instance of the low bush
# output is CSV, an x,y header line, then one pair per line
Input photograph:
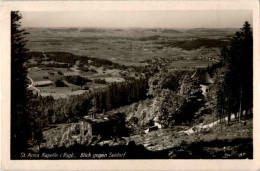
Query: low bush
x,y
100,81
83,68
59,72
77,80
59,83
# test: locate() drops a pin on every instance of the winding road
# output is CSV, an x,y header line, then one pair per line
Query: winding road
x,y
31,85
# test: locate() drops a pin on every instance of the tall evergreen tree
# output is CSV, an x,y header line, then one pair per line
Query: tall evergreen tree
x,y
238,80
19,95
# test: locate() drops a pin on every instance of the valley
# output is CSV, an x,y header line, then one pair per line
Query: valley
x,y
145,74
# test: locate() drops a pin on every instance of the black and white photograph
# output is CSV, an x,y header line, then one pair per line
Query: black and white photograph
x,y
90,83
132,85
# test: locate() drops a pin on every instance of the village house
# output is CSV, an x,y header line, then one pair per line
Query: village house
x,y
103,125
204,80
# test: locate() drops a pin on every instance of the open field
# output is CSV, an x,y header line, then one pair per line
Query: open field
x,y
169,48
44,79
130,46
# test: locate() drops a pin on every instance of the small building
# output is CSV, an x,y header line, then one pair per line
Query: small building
x,y
106,126
204,80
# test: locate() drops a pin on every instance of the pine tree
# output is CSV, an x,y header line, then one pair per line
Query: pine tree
x,y
20,126
238,80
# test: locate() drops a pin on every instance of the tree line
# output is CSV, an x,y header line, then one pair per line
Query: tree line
x,y
77,80
50,111
70,59
233,89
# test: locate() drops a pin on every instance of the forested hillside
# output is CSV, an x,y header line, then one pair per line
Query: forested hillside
x,y
169,111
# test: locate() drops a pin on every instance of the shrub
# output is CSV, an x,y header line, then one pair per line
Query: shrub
x,y
82,68
85,87
77,80
129,78
93,70
59,72
59,83
51,73
56,65
100,81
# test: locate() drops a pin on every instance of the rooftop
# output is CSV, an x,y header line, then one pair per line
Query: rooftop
x,y
203,76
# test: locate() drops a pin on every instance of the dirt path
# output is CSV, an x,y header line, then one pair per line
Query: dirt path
x,y
31,85
197,128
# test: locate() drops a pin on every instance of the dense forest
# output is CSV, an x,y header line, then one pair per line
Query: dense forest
x,y
77,80
50,111
232,91
196,43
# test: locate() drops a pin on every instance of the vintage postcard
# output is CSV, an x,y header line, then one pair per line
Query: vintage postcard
x,y
130,85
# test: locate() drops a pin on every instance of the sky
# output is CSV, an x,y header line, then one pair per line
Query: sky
x,y
139,19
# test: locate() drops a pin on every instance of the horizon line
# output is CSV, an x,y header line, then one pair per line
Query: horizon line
x,y
135,27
